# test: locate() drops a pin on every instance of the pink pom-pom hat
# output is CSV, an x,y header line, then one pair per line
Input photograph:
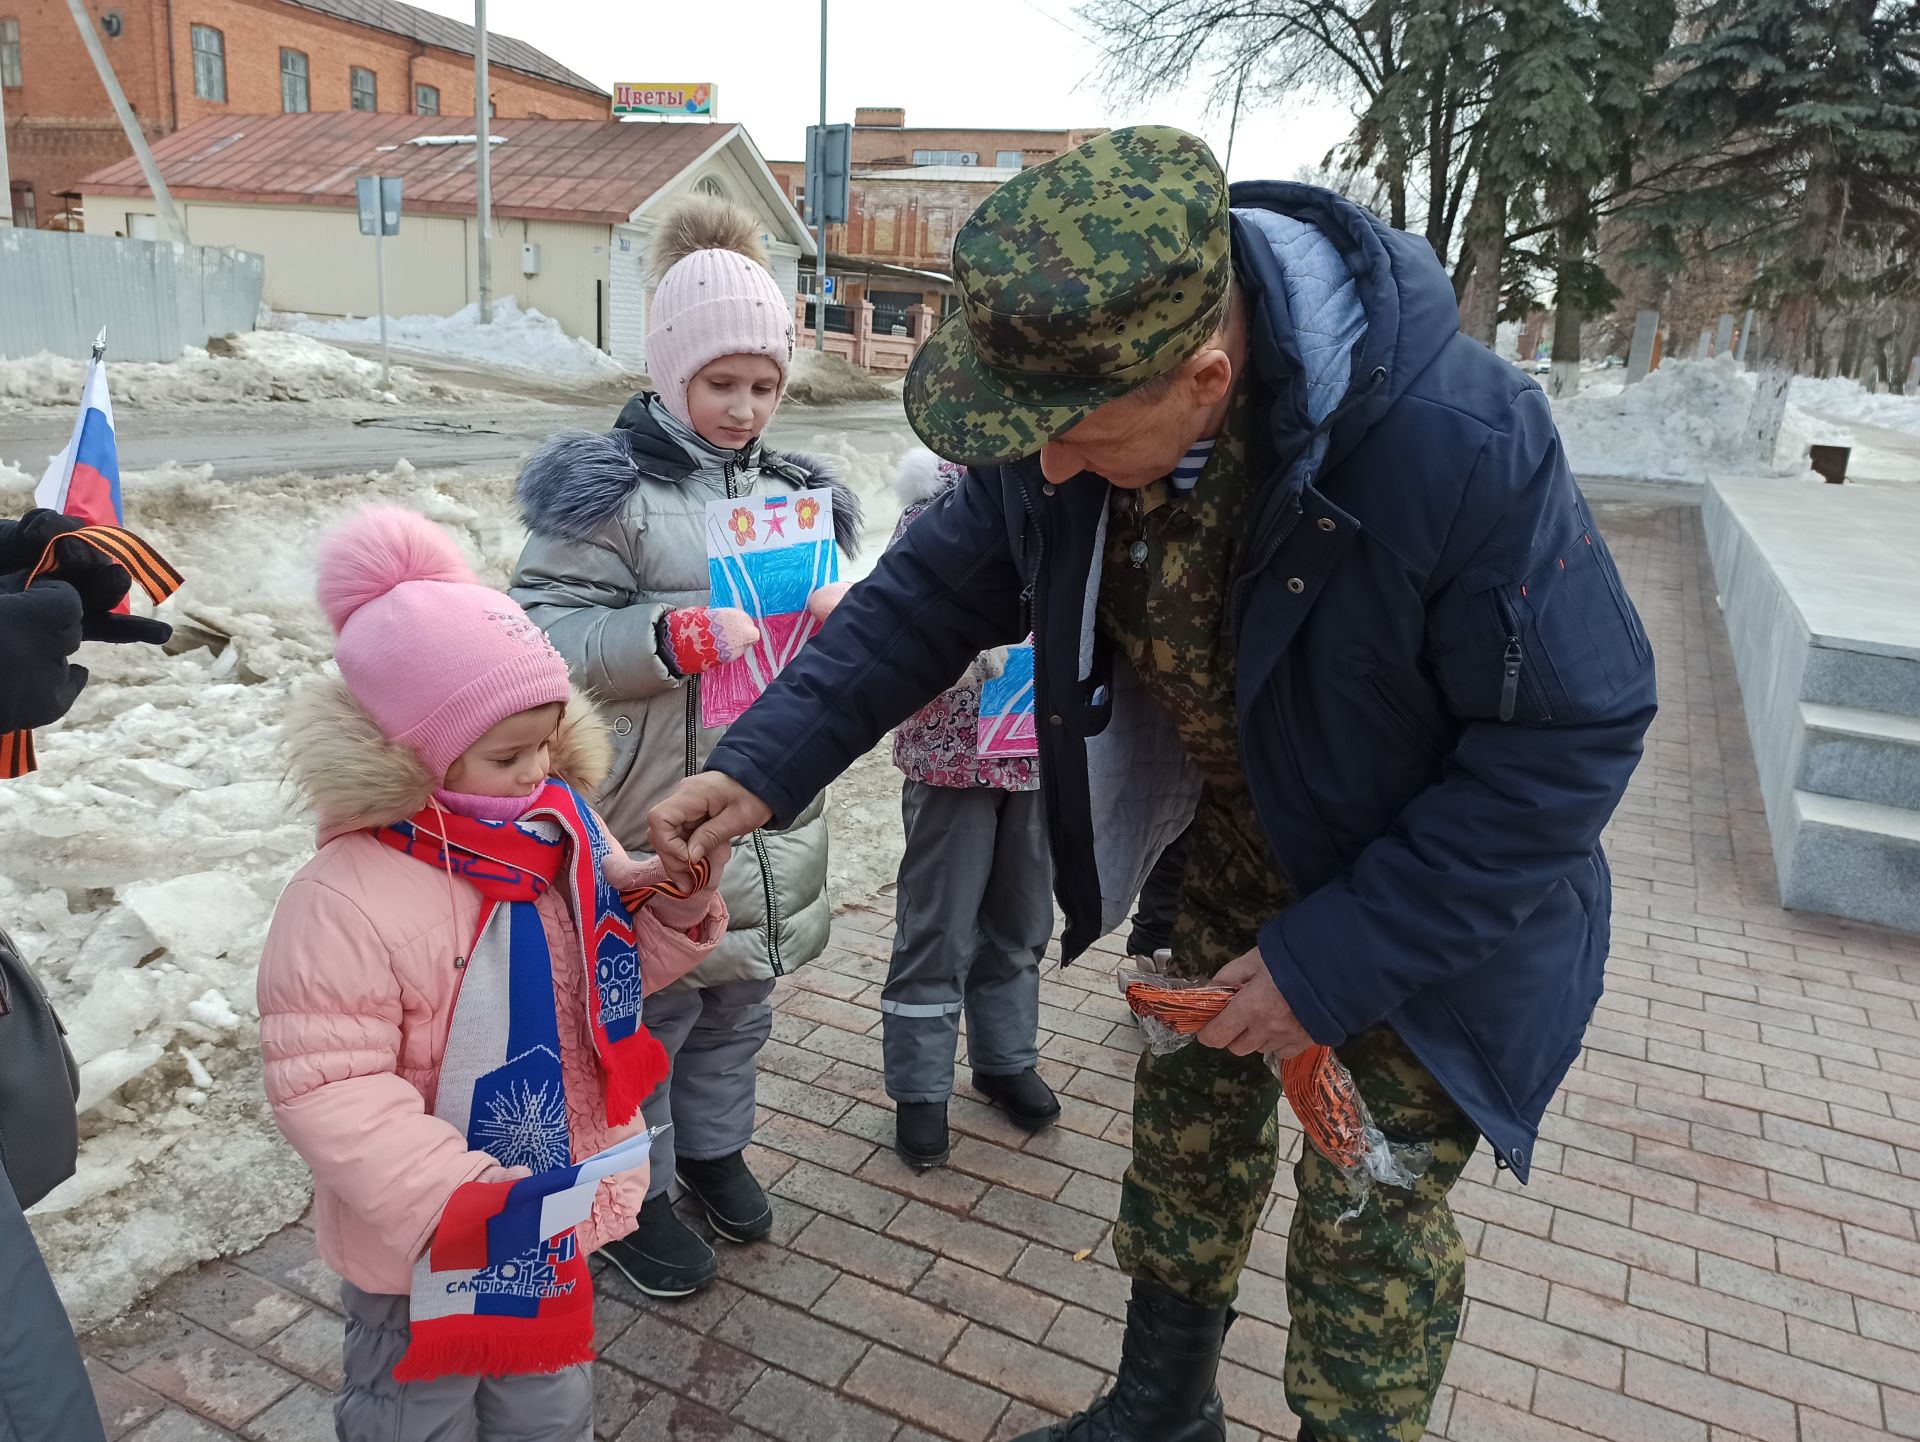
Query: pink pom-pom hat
x,y
436,658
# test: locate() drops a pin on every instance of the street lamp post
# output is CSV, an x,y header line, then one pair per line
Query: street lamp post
x,y
483,159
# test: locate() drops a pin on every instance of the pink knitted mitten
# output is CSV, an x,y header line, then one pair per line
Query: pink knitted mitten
x,y
821,603
698,638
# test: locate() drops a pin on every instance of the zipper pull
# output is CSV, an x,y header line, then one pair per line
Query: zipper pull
x,y
1510,677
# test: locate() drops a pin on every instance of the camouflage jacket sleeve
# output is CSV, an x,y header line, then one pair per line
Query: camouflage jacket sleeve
x,y
947,590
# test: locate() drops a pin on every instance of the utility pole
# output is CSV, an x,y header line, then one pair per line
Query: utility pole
x,y
162,197
1233,126
483,161
6,175
819,209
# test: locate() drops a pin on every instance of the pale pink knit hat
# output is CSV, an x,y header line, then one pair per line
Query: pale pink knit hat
x,y
436,658
716,298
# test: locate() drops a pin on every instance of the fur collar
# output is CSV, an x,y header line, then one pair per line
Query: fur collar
x,y
577,481
354,778
920,478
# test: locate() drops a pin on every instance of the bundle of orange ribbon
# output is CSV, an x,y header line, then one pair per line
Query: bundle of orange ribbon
x,y
1319,1089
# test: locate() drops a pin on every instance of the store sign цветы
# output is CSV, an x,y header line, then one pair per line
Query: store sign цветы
x,y
655,99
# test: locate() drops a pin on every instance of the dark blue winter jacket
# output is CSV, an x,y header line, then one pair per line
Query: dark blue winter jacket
x,y
1442,684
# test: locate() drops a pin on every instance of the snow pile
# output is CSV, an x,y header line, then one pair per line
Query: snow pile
x,y
234,370
820,378
524,340
145,855
144,858
1850,401
1684,422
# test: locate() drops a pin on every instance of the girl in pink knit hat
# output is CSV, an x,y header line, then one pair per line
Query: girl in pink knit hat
x,y
616,573
451,997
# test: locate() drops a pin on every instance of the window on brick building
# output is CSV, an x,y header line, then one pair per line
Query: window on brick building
x,y
209,64
1010,159
10,54
426,100
26,211
364,88
940,234
946,157
294,98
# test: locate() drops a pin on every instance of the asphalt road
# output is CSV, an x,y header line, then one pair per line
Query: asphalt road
x,y
275,438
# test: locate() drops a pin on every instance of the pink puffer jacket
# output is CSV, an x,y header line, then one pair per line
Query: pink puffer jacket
x,y
356,988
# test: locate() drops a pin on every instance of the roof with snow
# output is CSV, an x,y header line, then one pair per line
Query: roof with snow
x,y
447,34
982,174
596,171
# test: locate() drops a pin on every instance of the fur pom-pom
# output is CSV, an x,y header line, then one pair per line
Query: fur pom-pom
x,y
706,222
922,475
365,557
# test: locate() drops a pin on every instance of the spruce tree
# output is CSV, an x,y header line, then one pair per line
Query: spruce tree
x,y
1799,126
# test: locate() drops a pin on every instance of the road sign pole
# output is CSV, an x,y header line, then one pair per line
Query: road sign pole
x,y
483,158
380,289
820,208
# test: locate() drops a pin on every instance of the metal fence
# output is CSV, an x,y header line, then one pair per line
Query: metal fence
x,y
57,289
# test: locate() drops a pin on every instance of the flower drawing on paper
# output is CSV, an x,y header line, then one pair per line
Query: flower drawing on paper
x,y
741,524
525,1126
807,512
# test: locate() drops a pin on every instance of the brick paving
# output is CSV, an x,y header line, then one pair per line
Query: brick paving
x,y
1719,1244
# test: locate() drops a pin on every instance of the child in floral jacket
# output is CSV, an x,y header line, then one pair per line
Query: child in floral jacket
x,y
974,908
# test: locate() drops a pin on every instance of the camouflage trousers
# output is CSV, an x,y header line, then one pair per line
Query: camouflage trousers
x,y
1375,1301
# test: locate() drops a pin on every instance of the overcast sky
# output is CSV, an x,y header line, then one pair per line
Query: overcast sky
x,y
981,63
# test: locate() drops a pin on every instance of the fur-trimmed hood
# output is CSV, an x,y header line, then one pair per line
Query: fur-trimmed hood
x,y
921,477
577,481
355,778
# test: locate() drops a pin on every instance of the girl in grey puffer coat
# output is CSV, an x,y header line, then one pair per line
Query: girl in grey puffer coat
x,y
615,571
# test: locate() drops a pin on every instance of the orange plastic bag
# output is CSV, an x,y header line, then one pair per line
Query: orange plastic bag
x,y
1317,1086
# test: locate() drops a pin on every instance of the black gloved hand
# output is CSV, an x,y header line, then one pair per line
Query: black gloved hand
x,y
101,582
123,630
39,630
24,541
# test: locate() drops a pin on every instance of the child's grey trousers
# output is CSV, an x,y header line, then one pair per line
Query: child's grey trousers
x,y
372,1407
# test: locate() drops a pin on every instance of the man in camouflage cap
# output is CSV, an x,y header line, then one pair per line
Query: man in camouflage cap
x,y
1309,581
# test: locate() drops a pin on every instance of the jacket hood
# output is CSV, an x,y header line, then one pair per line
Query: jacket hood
x,y
1345,313
919,477
577,481
355,778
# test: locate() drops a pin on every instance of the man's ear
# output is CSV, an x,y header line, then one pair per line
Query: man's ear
x,y
1210,373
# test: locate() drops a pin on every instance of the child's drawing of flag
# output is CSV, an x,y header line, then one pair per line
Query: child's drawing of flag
x,y
1007,721
765,555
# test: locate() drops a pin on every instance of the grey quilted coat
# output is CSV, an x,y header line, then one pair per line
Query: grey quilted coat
x,y
617,540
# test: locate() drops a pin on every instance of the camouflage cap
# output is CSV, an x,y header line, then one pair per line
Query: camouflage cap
x,y
1079,281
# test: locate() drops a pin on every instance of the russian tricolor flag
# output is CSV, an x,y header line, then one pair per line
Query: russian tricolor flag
x,y
84,479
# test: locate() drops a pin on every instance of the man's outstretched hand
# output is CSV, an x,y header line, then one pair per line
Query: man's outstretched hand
x,y
702,814
1258,1019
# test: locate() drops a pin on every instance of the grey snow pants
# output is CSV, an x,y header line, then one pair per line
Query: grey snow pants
x,y
44,1392
713,1035
372,1407
972,914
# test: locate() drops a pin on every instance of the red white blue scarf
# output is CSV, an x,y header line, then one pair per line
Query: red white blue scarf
x,y
504,1288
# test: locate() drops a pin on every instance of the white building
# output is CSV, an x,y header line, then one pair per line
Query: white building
x,y
574,205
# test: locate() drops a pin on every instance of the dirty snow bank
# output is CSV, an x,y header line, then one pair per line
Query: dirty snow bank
x,y
144,858
822,379
524,340
234,370
1683,422
1850,401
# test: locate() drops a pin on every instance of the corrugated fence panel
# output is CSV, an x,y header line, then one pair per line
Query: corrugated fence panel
x,y
59,289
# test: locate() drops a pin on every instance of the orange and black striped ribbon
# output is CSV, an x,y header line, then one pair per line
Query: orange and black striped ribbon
x,y
150,571
638,896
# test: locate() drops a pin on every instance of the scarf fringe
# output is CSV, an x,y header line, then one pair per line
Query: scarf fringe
x,y
474,1347
632,1072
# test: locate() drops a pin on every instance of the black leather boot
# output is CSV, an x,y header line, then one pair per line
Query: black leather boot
x,y
1165,1390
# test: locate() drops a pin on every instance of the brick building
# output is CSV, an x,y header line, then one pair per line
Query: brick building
x,y
911,191
181,61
